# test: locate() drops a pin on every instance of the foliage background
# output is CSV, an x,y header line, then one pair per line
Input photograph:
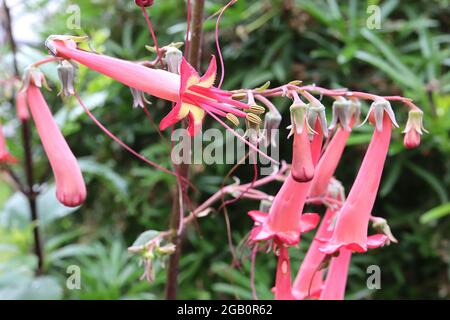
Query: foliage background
x,y
324,42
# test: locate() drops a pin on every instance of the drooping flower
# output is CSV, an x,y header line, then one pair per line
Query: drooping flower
x,y
194,95
5,156
330,159
70,187
309,280
21,106
414,129
285,221
336,281
353,219
328,163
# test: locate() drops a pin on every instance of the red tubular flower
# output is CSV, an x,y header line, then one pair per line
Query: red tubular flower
x,y
194,95
334,287
351,227
328,163
70,187
309,280
283,277
302,166
21,106
302,169
285,221
158,83
5,156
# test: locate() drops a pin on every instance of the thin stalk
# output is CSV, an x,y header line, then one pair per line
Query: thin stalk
x,y
176,221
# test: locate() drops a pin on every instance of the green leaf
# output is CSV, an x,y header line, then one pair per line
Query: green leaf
x,y
431,180
436,213
16,212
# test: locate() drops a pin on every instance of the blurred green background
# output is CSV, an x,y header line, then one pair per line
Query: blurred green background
x,y
324,42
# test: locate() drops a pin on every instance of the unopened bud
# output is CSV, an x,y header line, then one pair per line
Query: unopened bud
x,y
66,74
144,3
414,129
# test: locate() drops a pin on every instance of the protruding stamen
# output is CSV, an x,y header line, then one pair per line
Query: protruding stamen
x,y
233,119
66,74
253,118
239,96
256,109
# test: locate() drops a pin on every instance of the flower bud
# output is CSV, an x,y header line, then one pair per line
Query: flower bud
x,y
414,129
144,3
66,74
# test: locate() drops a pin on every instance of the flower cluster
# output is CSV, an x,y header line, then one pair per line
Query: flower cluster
x,y
317,149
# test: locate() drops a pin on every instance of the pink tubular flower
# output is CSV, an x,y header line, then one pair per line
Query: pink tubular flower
x,y
309,280
21,106
302,166
70,187
283,277
285,221
351,227
302,169
194,95
328,163
5,156
334,287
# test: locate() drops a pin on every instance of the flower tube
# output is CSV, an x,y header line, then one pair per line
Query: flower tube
x,y
70,187
353,219
334,287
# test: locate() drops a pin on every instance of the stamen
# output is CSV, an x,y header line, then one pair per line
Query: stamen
x,y
233,119
253,118
254,108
